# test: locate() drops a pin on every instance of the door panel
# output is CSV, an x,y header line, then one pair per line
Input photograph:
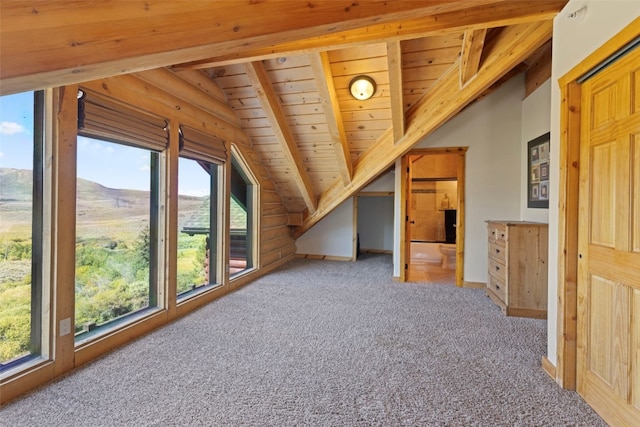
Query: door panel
x,y
636,92
605,98
603,208
635,217
608,240
608,334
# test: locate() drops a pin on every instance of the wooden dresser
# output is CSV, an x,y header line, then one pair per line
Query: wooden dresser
x,y
517,280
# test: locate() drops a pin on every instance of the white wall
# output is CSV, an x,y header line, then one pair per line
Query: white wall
x,y
332,236
574,40
491,128
384,183
536,121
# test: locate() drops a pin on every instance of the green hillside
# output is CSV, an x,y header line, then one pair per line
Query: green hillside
x,y
112,254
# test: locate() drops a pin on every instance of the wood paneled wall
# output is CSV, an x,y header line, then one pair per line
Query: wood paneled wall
x,y
164,93
161,92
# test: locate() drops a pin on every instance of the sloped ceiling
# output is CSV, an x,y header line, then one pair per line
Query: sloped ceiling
x,y
285,66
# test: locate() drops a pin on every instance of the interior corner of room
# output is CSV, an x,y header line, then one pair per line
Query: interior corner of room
x,y
136,188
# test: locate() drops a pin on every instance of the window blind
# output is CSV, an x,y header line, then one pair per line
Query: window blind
x,y
201,146
104,118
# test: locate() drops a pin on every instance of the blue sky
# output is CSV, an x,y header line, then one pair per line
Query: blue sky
x,y
16,131
109,164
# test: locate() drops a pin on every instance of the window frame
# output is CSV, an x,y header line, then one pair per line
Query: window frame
x,y
215,279
155,291
253,215
103,117
38,325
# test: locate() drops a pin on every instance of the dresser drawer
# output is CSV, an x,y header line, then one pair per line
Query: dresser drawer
x,y
501,233
517,264
497,251
497,287
497,233
498,270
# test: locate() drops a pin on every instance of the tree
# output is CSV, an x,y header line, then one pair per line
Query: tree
x,y
142,248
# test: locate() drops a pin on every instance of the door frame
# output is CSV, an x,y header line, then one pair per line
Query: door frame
x,y
568,202
460,206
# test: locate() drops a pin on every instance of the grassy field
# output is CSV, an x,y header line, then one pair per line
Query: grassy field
x,y
112,271
15,308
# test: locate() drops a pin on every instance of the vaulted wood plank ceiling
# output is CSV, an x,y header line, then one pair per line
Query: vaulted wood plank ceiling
x,y
284,67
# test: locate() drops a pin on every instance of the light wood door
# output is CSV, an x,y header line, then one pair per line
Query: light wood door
x,y
608,358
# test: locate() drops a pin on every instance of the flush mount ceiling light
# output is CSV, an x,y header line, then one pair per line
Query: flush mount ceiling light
x,y
362,87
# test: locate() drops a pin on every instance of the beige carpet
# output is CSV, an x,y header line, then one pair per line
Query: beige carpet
x,y
321,343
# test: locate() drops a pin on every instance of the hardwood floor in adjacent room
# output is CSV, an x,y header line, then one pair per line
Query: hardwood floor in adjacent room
x,y
431,274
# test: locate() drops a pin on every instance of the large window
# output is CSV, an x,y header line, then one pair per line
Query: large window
x,y
201,158
197,226
21,183
241,256
116,219
117,209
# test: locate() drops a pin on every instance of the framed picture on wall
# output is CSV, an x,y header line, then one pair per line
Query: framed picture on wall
x,y
538,172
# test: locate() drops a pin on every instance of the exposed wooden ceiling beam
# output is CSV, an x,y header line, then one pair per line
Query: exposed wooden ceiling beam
x,y
168,80
539,69
472,45
269,100
58,42
204,82
394,63
520,68
476,16
322,70
445,99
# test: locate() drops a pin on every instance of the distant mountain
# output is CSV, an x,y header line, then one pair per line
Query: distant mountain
x,y
16,186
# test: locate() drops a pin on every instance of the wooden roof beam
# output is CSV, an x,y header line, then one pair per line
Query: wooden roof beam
x,y
168,80
444,100
322,70
57,42
204,82
394,61
475,16
269,100
539,69
472,45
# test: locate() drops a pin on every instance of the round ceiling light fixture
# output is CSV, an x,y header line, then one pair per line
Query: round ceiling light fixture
x,y
362,87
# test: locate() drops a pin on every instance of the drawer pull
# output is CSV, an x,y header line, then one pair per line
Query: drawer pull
x,y
497,288
497,251
502,236
497,268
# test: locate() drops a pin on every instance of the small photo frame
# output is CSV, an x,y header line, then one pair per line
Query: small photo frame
x,y
544,151
535,192
538,172
544,171
544,191
535,173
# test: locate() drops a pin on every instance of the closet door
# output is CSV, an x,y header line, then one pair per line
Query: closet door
x,y
609,243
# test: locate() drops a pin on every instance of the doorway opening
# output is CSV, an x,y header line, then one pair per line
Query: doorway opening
x,y
433,238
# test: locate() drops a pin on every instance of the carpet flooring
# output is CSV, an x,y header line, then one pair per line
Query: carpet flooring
x,y
321,343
